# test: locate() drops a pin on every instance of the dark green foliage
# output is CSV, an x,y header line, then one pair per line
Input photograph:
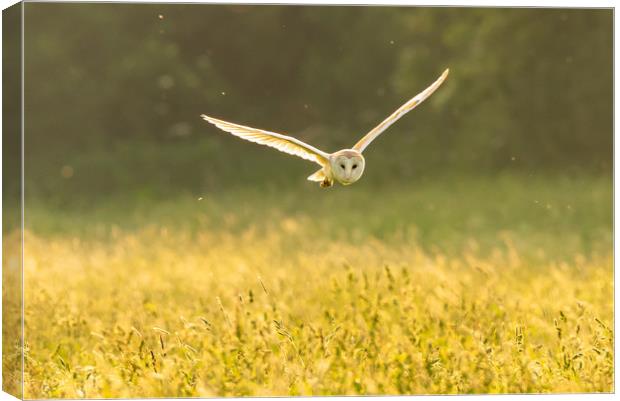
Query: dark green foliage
x,y
529,90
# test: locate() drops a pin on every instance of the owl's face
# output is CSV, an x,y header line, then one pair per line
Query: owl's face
x,y
347,166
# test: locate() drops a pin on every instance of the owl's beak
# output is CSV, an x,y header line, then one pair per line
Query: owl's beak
x,y
348,180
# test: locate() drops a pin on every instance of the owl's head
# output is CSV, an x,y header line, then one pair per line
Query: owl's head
x,y
347,166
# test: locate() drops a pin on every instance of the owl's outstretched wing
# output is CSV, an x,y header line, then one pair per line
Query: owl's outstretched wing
x,y
281,142
404,109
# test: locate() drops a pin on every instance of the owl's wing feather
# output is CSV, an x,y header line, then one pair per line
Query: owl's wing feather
x,y
280,142
404,109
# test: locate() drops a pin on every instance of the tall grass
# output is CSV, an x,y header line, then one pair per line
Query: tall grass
x,y
472,286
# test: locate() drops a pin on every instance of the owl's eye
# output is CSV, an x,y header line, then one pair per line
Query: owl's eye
x,y
354,166
342,166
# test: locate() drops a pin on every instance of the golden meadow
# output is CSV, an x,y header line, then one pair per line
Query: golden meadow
x,y
496,285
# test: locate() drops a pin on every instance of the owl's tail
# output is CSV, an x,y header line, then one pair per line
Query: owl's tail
x,y
318,176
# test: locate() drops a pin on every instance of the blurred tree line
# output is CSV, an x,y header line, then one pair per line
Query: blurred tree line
x,y
528,88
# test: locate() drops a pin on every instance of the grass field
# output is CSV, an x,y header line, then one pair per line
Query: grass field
x,y
464,285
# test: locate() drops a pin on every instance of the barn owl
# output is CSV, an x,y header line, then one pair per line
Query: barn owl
x,y
345,166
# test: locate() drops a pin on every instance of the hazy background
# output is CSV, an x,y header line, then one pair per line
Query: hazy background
x,y
114,93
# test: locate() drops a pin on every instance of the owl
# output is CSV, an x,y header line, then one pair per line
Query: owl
x,y
345,166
